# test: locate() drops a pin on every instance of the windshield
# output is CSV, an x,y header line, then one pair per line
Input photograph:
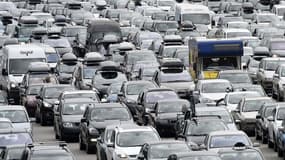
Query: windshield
x,y
54,92
74,108
89,72
110,113
197,18
15,116
176,77
254,105
268,111
58,43
15,139
133,58
252,155
281,114
171,107
66,68
236,77
81,95
52,57
136,138
34,90
216,87
225,116
164,150
135,89
236,98
163,27
278,45
153,97
205,127
228,141
20,66
26,32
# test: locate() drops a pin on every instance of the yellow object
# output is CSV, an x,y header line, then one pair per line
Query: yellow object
x,y
210,74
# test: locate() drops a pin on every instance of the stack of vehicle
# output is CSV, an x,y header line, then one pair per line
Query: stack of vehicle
x,y
119,76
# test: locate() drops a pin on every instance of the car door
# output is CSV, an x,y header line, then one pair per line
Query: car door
x,y
110,140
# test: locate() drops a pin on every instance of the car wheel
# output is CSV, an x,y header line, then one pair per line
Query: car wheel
x,y
89,150
275,144
279,151
81,144
270,144
263,138
42,119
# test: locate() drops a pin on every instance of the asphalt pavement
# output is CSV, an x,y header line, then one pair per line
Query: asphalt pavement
x,y
46,134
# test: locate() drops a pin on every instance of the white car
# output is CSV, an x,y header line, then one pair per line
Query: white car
x,y
17,115
211,90
5,123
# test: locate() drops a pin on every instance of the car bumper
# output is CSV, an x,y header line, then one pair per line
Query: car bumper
x,y
71,131
248,126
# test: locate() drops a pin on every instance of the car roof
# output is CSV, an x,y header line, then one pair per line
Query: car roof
x,y
257,98
196,153
4,120
109,105
79,100
214,80
227,132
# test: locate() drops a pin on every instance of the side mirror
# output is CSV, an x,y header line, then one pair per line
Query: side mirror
x,y
258,116
4,72
120,94
56,102
270,118
83,120
112,145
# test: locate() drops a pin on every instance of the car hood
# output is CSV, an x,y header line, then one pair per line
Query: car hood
x,y
129,150
16,78
213,96
132,97
196,139
168,116
178,86
71,118
249,115
105,123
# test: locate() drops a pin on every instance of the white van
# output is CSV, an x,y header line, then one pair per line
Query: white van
x,y
15,62
279,10
196,13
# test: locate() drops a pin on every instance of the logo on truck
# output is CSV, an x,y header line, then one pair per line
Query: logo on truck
x,y
26,52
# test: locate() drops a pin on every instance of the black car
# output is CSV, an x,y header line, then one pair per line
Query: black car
x,y
67,116
165,112
46,99
196,129
43,151
95,119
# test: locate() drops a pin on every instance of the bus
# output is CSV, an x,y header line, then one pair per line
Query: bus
x,y
209,56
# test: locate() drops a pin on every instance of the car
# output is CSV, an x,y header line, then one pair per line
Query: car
x,y
125,141
130,91
13,136
5,123
147,99
211,90
246,111
18,116
28,98
164,115
108,73
242,151
261,130
252,68
237,77
161,150
278,82
226,139
172,74
232,99
44,150
217,111
95,119
46,99
67,116
275,121
195,129
65,67
93,95
266,70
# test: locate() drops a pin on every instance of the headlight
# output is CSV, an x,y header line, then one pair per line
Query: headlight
x,y
93,131
13,85
122,155
46,104
67,124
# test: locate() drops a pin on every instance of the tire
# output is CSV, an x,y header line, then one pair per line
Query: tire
x,y
263,139
81,144
257,137
42,119
270,144
279,151
89,150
